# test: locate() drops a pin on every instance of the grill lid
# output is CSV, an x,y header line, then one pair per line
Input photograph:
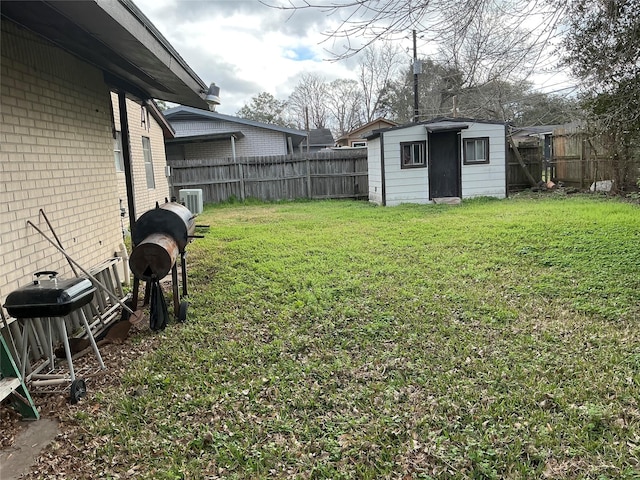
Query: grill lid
x,y
51,297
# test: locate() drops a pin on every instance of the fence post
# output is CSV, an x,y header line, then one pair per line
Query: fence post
x,y
308,164
241,177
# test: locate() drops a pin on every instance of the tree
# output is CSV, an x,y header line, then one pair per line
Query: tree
x,y
344,102
437,84
162,105
308,101
377,69
514,102
545,109
602,50
265,108
364,22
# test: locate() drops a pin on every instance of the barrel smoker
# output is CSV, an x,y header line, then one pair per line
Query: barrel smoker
x,y
159,236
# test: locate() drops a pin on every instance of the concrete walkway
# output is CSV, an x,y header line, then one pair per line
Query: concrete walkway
x,y
17,460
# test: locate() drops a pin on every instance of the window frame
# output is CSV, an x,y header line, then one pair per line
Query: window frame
x,y
419,143
118,156
148,163
484,161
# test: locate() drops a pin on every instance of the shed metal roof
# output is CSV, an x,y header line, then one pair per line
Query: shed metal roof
x,y
437,124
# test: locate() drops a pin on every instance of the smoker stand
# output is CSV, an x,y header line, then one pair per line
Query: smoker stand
x,y
57,376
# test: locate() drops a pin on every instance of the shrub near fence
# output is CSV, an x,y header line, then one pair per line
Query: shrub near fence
x,y
315,175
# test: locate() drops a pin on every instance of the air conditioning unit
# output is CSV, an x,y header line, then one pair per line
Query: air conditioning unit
x,y
192,199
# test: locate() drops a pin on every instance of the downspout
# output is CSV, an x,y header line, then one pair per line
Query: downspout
x,y
239,165
126,154
233,148
384,183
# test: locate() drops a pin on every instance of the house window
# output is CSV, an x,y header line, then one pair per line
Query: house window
x,y
359,144
148,162
476,150
144,118
117,152
413,154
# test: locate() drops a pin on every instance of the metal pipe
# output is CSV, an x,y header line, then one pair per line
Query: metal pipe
x,y
125,264
126,154
93,279
46,219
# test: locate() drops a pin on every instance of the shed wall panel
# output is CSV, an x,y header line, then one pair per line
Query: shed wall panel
x,y
409,185
486,179
374,165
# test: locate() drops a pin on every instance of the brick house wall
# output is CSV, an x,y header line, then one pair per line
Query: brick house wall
x,y
141,125
56,153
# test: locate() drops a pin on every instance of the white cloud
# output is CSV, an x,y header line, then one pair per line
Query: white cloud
x,y
245,47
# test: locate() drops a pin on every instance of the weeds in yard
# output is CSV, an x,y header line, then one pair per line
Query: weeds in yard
x,y
496,339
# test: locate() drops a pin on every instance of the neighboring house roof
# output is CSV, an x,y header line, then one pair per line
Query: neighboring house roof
x,y
320,137
156,113
366,126
455,122
116,37
206,137
182,112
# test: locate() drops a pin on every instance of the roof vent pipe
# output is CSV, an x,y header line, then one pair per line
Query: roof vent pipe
x,y
213,97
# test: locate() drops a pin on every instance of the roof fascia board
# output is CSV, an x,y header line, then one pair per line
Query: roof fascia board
x,y
185,112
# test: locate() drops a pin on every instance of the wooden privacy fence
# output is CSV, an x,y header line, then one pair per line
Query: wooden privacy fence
x,y
520,172
579,159
319,175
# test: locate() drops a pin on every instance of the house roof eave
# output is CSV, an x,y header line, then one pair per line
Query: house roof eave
x,y
116,37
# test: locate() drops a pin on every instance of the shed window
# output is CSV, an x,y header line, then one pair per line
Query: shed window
x,y
476,150
148,162
413,154
117,152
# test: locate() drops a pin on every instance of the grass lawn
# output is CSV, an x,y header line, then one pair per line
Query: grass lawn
x,y
496,339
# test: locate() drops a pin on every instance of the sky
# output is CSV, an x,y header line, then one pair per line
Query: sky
x,y
246,47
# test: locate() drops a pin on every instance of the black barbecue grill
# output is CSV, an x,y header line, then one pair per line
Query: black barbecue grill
x,y
159,236
52,299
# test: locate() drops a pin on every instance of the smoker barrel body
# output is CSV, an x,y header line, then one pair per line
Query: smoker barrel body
x,y
154,256
171,218
159,236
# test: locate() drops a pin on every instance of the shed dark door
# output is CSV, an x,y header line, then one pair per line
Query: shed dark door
x,y
444,164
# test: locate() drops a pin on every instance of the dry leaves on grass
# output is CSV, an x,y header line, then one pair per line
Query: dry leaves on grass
x,y
69,455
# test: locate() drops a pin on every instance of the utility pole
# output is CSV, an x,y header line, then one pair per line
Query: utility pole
x,y
416,70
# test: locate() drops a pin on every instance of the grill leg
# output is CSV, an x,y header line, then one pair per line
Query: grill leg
x,y
63,332
176,295
49,346
24,348
92,340
183,266
134,296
